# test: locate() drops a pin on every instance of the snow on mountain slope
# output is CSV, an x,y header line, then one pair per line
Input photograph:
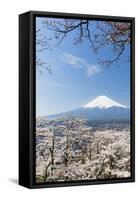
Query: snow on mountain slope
x,y
101,108
103,102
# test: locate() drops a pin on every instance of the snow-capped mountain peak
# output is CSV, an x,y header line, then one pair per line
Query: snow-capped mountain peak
x,y
103,102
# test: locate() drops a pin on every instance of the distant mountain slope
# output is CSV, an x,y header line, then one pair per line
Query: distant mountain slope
x,y
101,108
103,102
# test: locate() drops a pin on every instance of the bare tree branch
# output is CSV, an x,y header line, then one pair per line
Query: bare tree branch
x,y
101,34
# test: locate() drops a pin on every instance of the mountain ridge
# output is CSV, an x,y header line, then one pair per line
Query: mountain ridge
x,y
100,108
103,102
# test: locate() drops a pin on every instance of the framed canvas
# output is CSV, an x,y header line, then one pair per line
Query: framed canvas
x,y
76,99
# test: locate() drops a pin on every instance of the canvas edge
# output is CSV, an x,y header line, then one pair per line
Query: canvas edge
x,y
31,61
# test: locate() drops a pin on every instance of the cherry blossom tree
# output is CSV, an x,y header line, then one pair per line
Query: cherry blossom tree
x,y
112,35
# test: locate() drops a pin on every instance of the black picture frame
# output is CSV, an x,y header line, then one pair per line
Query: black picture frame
x,y
27,101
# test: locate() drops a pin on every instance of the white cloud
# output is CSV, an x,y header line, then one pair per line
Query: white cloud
x,y
78,62
93,69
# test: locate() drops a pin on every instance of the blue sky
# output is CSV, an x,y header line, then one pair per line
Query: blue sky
x,y
77,77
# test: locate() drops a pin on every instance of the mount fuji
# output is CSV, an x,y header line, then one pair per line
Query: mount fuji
x,y
101,108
